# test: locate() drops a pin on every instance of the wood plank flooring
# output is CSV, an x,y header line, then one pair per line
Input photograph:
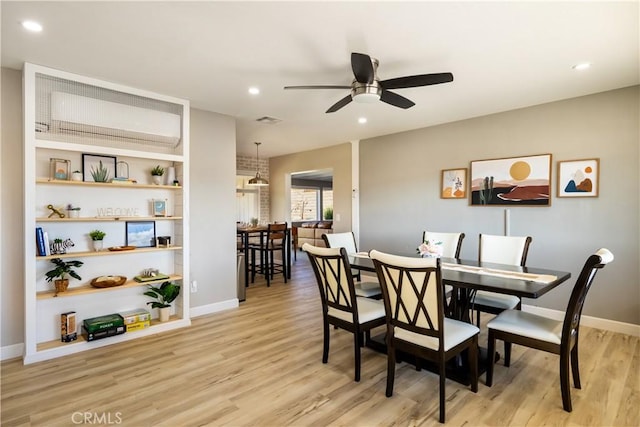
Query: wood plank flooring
x,y
260,365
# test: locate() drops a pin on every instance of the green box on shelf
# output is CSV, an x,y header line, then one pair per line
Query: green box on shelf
x,y
109,321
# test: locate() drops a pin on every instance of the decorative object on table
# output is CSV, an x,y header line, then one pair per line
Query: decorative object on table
x,y
103,327
73,211
108,281
514,181
156,174
578,178
150,274
68,329
141,234
164,295
55,211
96,168
121,248
96,237
453,184
59,274
254,222
164,241
59,246
171,175
159,207
431,249
76,176
59,169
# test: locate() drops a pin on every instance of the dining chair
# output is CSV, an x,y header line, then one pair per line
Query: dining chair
x,y
511,250
341,306
541,333
275,240
347,240
412,292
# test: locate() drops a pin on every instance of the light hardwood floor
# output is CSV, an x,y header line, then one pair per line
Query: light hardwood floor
x,y
260,365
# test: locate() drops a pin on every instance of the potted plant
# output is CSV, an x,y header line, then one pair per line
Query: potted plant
x,y
156,174
164,296
76,176
73,211
96,237
59,274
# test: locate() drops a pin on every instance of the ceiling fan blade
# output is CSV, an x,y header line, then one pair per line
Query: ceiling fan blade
x,y
362,67
416,81
318,87
338,105
396,100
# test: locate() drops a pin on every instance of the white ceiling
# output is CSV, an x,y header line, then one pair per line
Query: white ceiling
x,y
504,55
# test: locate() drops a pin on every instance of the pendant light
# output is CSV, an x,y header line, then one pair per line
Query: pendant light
x,y
258,181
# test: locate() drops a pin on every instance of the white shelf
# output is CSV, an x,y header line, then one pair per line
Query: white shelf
x,y
109,218
107,252
107,184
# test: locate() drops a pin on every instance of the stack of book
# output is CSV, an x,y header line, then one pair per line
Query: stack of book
x,y
136,320
103,326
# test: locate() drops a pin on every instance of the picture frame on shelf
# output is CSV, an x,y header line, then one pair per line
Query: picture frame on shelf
x,y
92,163
578,178
453,183
59,169
159,207
141,234
511,181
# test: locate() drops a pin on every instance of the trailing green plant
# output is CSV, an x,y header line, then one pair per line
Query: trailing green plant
x,y
164,295
62,269
157,171
328,213
97,234
100,174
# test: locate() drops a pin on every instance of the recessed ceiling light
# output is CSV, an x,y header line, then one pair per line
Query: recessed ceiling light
x,y
583,66
362,120
254,90
32,26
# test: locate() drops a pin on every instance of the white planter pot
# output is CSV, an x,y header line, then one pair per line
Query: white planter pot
x,y
157,179
164,312
97,245
76,176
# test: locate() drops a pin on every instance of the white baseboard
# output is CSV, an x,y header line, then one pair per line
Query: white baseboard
x,y
213,308
592,322
11,351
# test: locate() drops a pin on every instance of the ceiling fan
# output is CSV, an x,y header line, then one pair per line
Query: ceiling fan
x,y
367,87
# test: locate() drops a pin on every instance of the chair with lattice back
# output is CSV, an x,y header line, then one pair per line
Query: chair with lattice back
x,y
413,296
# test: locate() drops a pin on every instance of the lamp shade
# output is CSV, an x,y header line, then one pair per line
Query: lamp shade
x,y
258,181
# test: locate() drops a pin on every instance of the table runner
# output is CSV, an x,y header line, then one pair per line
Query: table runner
x,y
539,278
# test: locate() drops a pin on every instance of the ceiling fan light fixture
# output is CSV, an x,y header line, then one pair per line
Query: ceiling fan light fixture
x,y
366,93
258,181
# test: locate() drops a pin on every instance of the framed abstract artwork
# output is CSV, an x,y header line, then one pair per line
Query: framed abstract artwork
x,y
512,181
579,178
453,184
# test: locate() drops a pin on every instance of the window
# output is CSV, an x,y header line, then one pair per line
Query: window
x,y
308,204
247,200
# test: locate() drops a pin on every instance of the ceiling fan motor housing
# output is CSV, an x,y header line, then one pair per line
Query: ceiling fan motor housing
x,y
365,92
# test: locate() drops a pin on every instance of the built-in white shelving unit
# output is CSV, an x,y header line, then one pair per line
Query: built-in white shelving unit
x,y
65,117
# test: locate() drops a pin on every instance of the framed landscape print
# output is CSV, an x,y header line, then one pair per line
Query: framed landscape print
x,y
578,178
512,181
453,184
141,234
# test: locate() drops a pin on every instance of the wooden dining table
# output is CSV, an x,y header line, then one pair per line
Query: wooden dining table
x,y
469,276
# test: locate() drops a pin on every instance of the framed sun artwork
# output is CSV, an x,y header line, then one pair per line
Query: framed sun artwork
x,y
511,181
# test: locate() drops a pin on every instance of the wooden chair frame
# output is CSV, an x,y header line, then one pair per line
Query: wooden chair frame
x,y
276,232
331,268
568,347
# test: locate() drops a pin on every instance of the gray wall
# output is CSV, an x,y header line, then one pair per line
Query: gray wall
x,y
212,209
400,181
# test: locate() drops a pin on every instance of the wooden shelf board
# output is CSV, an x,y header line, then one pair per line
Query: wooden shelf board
x,y
106,218
106,184
88,289
107,252
155,324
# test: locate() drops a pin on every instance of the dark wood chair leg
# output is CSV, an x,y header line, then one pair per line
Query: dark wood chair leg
x,y
490,358
357,338
325,343
575,369
253,265
564,380
443,374
507,353
391,370
472,361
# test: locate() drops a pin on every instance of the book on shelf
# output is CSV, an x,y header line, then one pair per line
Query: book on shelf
x,y
40,246
158,276
47,246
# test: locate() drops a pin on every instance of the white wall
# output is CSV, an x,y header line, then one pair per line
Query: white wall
x,y
212,210
400,181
